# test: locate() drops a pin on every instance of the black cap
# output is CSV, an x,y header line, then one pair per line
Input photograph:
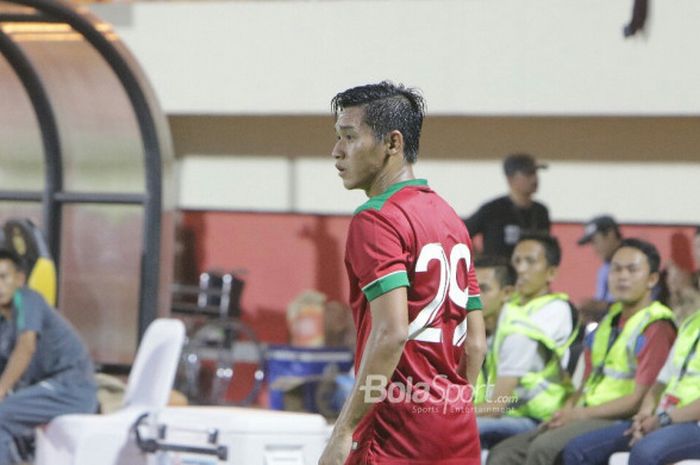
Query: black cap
x,y
522,162
601,223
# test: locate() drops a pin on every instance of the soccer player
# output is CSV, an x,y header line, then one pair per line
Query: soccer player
x,y
413,293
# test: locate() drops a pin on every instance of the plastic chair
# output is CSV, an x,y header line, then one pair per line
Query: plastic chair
x,y
106,439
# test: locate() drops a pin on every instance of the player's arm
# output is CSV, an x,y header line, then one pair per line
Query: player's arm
x,y
381,355
475,345
18,362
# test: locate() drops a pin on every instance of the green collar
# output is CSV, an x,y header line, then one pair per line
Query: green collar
x,y
378,201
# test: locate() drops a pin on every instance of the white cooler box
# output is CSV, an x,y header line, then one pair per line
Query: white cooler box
x,y
232,436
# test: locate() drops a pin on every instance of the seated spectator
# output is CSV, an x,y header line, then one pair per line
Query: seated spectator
x,y
684,296
496,279
603,233
667,435
625,355
45,369
530,347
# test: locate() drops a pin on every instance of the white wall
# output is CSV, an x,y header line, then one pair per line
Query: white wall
x,y
504,57
574,191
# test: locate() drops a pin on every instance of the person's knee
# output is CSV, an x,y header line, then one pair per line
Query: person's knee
x,y
500,455
497,456
543,450
648,451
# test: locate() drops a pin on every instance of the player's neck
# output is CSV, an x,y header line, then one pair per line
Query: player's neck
x,y
388,178
520,200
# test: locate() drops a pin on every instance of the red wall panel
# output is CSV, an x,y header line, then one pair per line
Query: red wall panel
x,y
285,254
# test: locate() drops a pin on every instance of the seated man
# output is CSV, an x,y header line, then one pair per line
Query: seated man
x,y
672,433
45,369
530,348
496,279
628,349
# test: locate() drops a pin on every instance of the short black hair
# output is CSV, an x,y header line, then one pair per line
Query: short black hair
x,y
647,248
388,107
552,250
7,254
503,270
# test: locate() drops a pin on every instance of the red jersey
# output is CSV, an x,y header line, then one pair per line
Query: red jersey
x,y
410,237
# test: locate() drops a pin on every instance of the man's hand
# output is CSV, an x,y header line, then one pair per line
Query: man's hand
x,y
649,424
643,423
337,449
564,417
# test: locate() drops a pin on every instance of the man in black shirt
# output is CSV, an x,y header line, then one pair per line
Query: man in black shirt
x,y
502,221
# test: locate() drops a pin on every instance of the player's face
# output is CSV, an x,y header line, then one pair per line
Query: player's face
x,y
534,272
492,295
630,279
359,156
10,281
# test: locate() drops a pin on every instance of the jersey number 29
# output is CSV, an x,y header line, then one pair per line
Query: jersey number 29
x,y
421,328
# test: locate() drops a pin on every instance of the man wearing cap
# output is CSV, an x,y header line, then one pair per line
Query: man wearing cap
x,y
603,233
504,220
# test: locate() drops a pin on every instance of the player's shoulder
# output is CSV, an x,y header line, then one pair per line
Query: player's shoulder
x,y
393,195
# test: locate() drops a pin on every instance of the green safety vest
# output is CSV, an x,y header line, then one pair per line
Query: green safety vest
x,y
613,359
538,394
685,381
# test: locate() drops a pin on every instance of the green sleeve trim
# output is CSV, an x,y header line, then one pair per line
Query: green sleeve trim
x,y
385,284
474,303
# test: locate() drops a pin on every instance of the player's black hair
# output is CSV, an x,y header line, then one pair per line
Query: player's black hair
x,y
7,254
552,250
647,248
388,107
503,270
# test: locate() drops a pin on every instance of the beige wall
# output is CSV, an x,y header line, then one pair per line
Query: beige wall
x,y
485,57
247,86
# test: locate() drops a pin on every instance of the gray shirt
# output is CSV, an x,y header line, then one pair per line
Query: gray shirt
x,y
60,353
521,355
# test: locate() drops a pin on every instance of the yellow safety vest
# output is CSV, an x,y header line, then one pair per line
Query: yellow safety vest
x,y
685,381
538,394
613,358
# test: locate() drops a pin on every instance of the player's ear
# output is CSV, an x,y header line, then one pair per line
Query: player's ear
x,y
394,142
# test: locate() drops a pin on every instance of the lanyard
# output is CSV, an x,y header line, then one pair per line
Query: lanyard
x,y
614,333
686,362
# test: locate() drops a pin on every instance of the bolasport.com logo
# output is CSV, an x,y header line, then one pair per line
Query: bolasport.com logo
x,y
438,395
